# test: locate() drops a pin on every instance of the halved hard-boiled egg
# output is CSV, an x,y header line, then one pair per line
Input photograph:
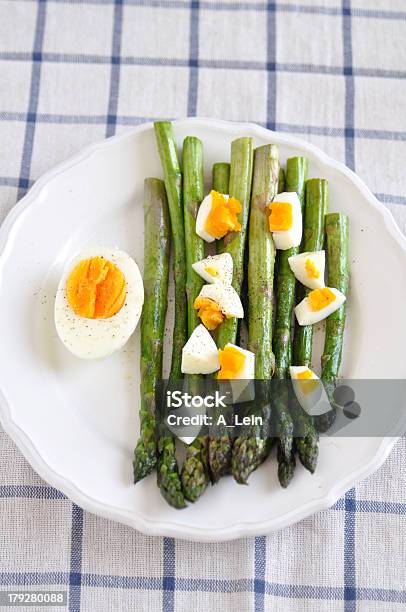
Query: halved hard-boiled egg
x,y
308,268
285,220
216,302
98,302
309,390
200,354
217,216
215,269
318,305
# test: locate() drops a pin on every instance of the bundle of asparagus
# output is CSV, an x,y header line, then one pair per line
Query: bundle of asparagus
x,y
170,208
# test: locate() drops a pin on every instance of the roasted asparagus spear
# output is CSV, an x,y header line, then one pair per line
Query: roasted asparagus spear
x,y
194,475
156,270
239,187
338,274
296,175
250,448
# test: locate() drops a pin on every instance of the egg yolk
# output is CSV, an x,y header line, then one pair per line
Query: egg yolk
x,y
231,363
312,271
307,387
96,289
306,374
222,217
320,298
211,271
281,217
209,312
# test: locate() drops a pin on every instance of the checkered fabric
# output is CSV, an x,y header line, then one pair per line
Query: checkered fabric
x,y
330,71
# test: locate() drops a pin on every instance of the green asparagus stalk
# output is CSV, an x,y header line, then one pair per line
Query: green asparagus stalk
x,y
234,242
250,448
156,258
168,477
239,187
306,436
336,226
261,261
286,466
338,276
193,194
168,153
282,180
313,240
221,177
296,175
220,443
195,469
194,475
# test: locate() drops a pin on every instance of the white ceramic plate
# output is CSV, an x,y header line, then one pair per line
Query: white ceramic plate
x,y
76,422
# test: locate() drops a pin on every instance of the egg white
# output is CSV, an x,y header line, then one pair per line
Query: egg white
x,y
297,264
222,264
313,400
306,316
95,338
200,354
202,214
292,237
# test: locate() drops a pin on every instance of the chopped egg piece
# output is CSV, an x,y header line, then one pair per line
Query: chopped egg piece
x,y
319,304
308,268
236,363
215,269
216,302
309,390
200,354
217,216
285,220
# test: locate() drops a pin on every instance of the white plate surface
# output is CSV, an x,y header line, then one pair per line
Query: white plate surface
x,y
76,422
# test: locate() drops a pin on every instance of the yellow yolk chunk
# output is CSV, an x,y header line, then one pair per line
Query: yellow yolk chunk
x,y
312,271
281,217
320,298
222,217
306,376
96,289
211,271
231,363
209,312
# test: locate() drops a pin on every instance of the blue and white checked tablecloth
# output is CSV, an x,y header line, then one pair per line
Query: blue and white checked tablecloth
x,y
330,71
